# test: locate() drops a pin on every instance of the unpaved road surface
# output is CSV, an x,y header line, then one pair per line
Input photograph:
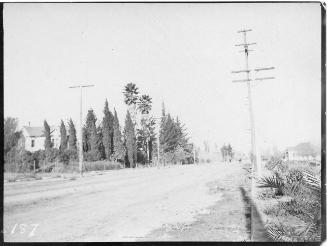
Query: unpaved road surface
x,y
128,205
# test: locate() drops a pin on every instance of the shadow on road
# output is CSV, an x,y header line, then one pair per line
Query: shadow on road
x,y
254,225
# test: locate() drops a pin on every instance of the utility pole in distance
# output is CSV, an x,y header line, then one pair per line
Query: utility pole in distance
x,y
255,165
80,156
158,141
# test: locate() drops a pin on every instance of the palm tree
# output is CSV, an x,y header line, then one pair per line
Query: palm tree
x,y
144,104
130,93
131,97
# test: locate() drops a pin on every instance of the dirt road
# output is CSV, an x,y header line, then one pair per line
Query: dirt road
x,y
121,205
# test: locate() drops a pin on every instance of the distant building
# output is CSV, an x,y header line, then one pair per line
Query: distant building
x,y
302,152
33,137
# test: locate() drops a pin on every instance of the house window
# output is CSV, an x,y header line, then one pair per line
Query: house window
x,y
32,143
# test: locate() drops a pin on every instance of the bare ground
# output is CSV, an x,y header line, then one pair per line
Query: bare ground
x,y
223,221
190,202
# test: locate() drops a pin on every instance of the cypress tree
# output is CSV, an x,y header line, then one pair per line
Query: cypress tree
x,y
95,144
169,140
88,129
173,139
101,146
72,135
47,135
91,141
63,136
119,149
130,140
108,131
85,140
181,134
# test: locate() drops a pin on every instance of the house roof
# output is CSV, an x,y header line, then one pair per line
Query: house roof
x,y
38,131
34,131
305,148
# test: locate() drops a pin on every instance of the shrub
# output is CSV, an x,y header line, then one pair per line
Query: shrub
x,y
92,155
52,154
304,190
64,157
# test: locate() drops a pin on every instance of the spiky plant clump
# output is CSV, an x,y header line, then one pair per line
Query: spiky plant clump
x,y
305,204
274,181
277,164
280,233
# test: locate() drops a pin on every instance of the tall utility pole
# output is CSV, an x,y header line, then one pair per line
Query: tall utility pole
x,y
80,156
246,50
255,165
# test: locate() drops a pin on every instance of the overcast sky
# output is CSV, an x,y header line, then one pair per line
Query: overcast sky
x,y
180,53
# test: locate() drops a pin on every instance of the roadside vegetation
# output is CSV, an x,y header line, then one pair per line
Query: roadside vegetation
x,y
292,198
106,143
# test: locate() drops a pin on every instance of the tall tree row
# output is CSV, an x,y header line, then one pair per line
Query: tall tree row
x,y
105,140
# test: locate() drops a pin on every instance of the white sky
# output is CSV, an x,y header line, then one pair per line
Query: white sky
x,y
180,53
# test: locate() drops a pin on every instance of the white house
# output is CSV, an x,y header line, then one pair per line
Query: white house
x,y
34,137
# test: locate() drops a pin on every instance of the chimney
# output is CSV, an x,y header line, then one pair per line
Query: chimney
x,y
29,123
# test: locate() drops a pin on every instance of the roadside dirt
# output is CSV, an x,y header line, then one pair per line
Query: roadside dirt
x,y
224,221
129,205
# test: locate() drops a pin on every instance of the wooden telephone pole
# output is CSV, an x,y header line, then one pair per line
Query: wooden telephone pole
x,y
80,156
247,80
254,161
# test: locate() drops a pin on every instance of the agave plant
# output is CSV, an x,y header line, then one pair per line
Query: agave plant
x,y
274,181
